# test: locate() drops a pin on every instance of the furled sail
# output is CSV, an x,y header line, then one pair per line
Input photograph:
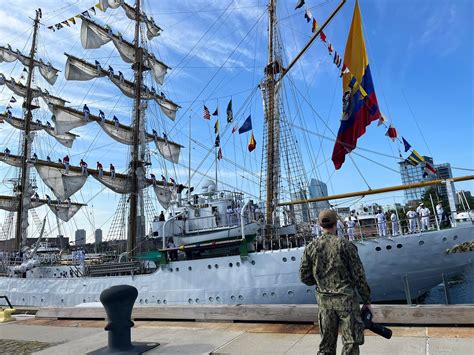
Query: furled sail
x,y
66,139
10,203
119,132
92,34
165,195
63,185
66,118
168,150
52,100
153,30
120,183
18,88
65,211
85,71
77,69
46,70
13,160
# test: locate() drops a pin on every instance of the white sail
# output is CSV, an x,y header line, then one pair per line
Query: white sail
x,y
18,88
20,124
66,119
76,69
47,71
125,49
52,100
64,211
113,4
121,133
169,108
152,29
63,185
169,151
92,35
12,160
121,184
10,203
165,195
66,139
158,69
7,55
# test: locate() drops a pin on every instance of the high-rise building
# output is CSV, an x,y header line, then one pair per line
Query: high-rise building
x,y
318,189
98,236
80,237
443,172
412,174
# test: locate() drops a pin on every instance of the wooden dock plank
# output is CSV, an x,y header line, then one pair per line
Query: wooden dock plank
x,y
387,314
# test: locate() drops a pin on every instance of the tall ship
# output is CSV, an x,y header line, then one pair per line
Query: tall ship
x,y
198,239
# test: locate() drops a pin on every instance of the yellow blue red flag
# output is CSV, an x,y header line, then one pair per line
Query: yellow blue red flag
x,y
360,105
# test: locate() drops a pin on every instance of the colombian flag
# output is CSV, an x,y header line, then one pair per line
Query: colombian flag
x,y
360,105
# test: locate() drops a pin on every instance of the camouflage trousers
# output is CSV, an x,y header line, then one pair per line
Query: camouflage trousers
x,y
352,330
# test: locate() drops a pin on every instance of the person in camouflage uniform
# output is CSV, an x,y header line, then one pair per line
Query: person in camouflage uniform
x,y
334,266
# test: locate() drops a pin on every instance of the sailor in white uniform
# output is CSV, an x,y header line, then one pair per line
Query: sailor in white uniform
x,y
351,223
381,224
440,212
394,219
418,212
425,218
411,215
340,228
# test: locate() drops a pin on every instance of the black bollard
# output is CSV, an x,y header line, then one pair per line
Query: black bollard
x,y
118,303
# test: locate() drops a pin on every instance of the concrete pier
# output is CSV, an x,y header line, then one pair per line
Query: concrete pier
x,y
76,336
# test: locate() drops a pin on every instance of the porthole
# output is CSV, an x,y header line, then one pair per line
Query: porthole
x,y
265,295
445,239
455,237
241,297
388,247
399,246
177,269
216,266
196,300
158,301
284,260
238,264
211,299
141,300
291,293
421,242
83,300
190,268
230,264
62,300
232,298
146,301
252,262
378,248
190,301
164,302
293,258
218,299
308,291
273,294
170,270
209,267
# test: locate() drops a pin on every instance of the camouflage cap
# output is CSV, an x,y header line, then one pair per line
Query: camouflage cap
x,y
328,216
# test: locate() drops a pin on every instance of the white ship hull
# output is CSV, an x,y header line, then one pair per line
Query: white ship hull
x,y
263,277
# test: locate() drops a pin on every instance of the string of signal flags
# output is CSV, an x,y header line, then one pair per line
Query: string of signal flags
x,y
245,127
72,20
414,158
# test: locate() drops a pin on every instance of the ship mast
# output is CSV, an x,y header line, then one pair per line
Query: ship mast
x,y
135,164
22,213
271,178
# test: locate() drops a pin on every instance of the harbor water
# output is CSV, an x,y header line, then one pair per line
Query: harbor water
x,y
460,290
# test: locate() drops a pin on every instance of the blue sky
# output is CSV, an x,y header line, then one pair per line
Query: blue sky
x,y
420,53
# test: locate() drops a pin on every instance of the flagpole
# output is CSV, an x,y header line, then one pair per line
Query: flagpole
x,y
189,163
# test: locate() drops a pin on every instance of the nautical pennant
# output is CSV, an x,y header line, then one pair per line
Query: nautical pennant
x,y
86,14
252,143
216,112
357,114
216,127
73,20
299,4
406,144
246,126
217,142
51,28
230,114
392,133
417,156
66,22
219,154
315,26
92,9
205,113
322,36
308,15
235,128
13,100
